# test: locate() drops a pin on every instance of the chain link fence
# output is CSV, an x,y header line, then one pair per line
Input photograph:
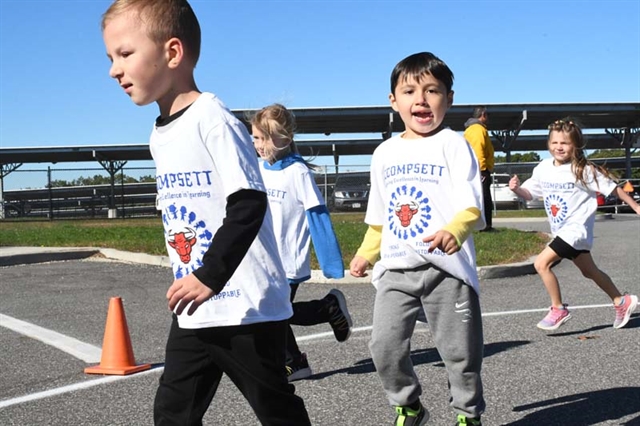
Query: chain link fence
x,y
131,192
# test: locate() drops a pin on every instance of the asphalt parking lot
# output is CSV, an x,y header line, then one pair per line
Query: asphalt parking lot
x,y
585,373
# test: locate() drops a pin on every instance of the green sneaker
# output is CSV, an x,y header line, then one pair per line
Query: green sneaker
x,y
466,421
409,417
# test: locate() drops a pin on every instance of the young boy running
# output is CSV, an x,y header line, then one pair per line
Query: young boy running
x,y
425,199
230,296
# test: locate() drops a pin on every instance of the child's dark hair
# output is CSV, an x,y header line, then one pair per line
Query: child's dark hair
x,y
420,64
579,162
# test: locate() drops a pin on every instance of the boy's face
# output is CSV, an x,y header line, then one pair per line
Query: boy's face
x,y
422,104
138,64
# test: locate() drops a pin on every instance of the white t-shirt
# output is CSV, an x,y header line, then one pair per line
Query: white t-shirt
x,y
201,158
417,187
570,205
292,191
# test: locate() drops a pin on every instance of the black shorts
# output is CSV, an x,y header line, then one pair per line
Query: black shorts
x,y
565,250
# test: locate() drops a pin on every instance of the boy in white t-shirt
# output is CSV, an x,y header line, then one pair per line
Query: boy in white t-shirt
x,y
230,297
424,202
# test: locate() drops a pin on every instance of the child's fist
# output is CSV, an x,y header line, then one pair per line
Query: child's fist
x,y
514,183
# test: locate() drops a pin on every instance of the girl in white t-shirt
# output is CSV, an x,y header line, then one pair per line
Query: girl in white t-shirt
x,y
299,216
569,184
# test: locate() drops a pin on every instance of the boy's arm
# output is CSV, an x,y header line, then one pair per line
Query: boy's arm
x,y
370,247
368,251
462,224
325,242
244,216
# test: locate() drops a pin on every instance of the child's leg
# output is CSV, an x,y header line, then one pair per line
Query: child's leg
x,y
587,266
454,317
330,309
543,264
396,309
253,357
189,380
293,352
310,312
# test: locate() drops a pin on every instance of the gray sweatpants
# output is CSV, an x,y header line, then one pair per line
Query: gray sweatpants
x,y
453,314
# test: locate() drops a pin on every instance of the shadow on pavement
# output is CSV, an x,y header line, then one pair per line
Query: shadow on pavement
x,y
589,408
420,356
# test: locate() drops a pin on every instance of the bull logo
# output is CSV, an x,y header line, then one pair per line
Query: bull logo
x,y
409,212
556,207
182,243
405,212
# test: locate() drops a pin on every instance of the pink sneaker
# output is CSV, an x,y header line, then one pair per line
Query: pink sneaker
x,y
555,318
624,309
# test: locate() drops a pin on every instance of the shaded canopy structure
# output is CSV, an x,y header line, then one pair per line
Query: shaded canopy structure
x,y
609,126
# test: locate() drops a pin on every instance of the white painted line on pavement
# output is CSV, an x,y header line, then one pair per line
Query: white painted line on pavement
x,y
486,314
71,388
84,351
109,379
527,311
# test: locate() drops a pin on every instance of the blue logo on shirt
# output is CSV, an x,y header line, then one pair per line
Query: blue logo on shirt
x,y
184,233
556,208
408,212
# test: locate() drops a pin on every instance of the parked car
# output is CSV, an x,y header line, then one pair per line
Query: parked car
x,y
503,197
351,191
534,203
606,203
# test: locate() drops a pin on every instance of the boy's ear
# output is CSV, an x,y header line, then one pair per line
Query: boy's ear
x,y
449,99
392,100
174,52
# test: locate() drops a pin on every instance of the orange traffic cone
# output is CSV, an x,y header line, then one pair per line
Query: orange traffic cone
x,y
117,353
628,187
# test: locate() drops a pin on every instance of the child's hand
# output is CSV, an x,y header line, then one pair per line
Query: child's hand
x,y
514,183
358,267
185,290
443,240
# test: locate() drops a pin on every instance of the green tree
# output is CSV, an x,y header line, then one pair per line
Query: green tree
x,y
527,157
611,153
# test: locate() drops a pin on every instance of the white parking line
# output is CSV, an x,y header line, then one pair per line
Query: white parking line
x,y
72,388
109,379
84,351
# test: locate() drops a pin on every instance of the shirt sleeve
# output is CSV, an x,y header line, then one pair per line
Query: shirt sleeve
x,y
462,224
533,183
370,247
325,242
234,157
245,213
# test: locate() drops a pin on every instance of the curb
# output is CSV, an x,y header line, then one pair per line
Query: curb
x,y
11,256
29,255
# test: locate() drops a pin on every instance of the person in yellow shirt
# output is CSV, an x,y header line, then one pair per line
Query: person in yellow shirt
x,y
478,137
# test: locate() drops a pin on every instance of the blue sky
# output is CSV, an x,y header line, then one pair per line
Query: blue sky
x,y
55,89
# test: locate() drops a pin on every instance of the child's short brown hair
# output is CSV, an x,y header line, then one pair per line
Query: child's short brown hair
x,y
163,20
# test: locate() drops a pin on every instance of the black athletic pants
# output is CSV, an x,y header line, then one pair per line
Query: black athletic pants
x,y
486,195
251,355
311,312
